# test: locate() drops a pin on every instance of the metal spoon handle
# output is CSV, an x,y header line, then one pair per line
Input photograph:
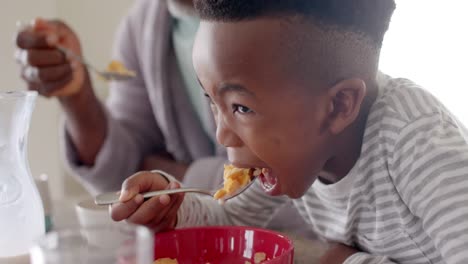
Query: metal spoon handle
x,y
173,191
80,59
113,197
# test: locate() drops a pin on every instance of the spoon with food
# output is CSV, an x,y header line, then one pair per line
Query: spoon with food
x,y
115,71
236,181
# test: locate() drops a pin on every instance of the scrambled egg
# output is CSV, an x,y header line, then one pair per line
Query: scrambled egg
x,y
259,257
234,179
166,261
118,67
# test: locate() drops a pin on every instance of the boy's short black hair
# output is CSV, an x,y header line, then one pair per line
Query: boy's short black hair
x,y
368,17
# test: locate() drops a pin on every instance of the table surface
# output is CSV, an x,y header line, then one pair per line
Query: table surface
x,y
305,250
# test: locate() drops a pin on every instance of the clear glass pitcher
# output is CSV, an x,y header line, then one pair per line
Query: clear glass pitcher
x,y
21,210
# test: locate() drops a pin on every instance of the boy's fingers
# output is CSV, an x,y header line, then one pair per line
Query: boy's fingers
x,y
142,182
165,219
165,225
169,220
121,211
150,211
164,199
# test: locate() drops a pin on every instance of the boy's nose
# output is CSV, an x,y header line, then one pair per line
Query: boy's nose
x,y
224,135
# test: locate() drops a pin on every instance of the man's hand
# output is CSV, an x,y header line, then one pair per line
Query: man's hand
x,y
165,162
45,68
337,253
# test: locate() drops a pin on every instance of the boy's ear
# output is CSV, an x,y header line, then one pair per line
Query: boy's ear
x,y
345,104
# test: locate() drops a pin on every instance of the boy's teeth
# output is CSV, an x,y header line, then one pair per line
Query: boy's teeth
x,y
269,181
257,172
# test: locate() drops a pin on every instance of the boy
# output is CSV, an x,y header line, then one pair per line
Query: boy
x,y
375,164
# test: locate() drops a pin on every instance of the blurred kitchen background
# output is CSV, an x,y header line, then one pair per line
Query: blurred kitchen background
x,y
427,43
95,22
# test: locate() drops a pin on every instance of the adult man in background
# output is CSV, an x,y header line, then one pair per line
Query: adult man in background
x,y
158,120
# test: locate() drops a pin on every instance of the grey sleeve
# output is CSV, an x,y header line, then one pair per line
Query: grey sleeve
x,y
207,172
252,208
132,131
362,257
430,171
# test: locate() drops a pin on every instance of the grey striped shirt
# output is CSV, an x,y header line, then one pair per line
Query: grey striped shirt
x,y
404,201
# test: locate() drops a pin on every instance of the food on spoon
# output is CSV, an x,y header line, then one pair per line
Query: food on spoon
x,y
166,261
234,179
118,67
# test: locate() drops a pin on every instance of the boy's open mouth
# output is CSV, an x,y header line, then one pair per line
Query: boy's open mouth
x,y
268,180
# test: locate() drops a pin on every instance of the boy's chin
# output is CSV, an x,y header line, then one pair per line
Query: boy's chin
x,y
295,192
270,184
295,195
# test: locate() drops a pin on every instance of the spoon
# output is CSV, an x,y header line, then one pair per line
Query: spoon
x,y
104,74
113,197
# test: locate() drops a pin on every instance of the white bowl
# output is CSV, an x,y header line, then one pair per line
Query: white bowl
x,y
89,214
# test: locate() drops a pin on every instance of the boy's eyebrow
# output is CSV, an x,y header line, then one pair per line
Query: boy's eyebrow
x,y
228,87
231,87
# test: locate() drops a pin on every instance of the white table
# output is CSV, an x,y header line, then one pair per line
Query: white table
x,y
64,215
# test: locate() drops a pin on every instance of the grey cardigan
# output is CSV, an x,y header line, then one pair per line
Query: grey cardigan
x,y
152,112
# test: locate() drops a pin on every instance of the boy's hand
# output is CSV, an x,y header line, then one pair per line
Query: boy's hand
x,y
158,213
337,253
165,162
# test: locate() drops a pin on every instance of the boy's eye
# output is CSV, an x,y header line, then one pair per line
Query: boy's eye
x,y
241,109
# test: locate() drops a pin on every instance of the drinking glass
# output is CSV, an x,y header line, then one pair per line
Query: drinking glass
x,y
108,244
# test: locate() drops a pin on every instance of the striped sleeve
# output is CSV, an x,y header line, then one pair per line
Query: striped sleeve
x,y
252,208
429,168
364,258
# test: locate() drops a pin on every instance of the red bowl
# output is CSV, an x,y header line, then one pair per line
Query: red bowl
x,y
223,244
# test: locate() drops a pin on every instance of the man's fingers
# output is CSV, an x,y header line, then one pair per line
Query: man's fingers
x,y
42,34
121,211
40,57
47,89
56,29
47,75
28,39
54,73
